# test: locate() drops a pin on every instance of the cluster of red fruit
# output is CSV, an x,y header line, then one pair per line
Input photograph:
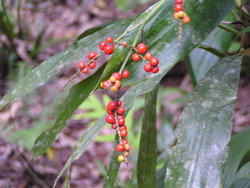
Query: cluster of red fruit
x,y
179,12
115,117
152,62
107,47
114,82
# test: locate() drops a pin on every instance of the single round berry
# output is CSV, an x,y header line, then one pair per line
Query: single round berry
x,y
186,19
81,65
121,121
123,133
109,39
181,14
176,16
155,70
178,1
178,7
85,70
114,126
148,67
142,48
92,65
109,49
127,147
105,84
118,83
102,45
114,88
117,75
123,127
111,112
119,103
92,55
125,74
121,158
112,105
120,110
119,147
124,141
112,79
148,56
154,61
136,57
125,44
110,119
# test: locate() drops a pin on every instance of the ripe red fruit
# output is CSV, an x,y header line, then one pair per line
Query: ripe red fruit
x,y
109,39
127,147
125,44
186,19
119,147
110,119
92,65
178,7
105,84
111,105
119,103
85,70
109,111
124,127
102,45
142,48
123,133
114,126
136,57
125,74
117,75
121,121
178,1
120,110
148,67
92,55
81,65
155,70
124,141
154,61
109,49
148,56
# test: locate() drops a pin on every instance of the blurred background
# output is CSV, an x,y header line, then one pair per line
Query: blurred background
x,y
31,31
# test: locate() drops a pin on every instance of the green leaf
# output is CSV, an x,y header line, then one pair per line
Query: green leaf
x,y
242,178
78,93
147,157
205,129
239,146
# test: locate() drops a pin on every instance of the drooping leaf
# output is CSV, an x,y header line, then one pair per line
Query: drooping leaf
x,y
239,146
242,177
205,129
147,157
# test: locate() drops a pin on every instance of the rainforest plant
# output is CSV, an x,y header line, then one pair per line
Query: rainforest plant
x,y
142,50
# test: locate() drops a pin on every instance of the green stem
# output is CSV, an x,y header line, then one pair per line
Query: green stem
x,y
229,29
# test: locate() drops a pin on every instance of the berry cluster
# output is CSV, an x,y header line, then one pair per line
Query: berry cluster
x,y
115,117
107,47
152,62
114,82
179,12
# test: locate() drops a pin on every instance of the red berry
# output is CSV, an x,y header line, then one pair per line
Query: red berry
x,y
123,133
186,19
148,56
92,55
136,57
121,121
117,75
124,141
154,61
92,65
119,147
105,84
148,67
142,48
109,111
178,7
119,103
102,45
85,70
109,39
120,110
125,44
110,119
178,1
125,74
127,147
111,105
114,126
81,65
108,49
155,70
124,127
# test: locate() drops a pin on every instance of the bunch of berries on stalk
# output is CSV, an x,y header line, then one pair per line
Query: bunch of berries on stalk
x,y
115,118
179,12
114,82
142,53
107,47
